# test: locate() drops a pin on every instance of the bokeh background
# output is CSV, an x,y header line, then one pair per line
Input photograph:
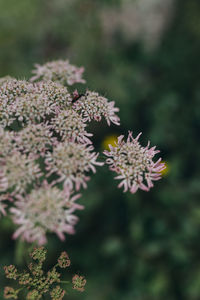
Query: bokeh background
x,y
144,54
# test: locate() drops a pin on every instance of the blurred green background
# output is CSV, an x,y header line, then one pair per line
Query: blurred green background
x,y
144,54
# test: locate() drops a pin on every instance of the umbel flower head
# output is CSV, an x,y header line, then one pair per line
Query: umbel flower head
x,y
35,139
78,283
70,161
63,260
46,209
17,171
10,91
60,71
92,106
71,126
43,136
57,94
25,102
12,88
6,142
134,164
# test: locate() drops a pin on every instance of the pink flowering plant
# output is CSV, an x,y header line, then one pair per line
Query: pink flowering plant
x,y
47,155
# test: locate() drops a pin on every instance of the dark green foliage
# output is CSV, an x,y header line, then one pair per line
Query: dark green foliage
x,y
134,247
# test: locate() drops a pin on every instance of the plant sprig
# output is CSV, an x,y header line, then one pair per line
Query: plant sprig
x,y
38,283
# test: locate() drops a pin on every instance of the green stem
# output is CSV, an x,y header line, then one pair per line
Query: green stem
x,y
63,281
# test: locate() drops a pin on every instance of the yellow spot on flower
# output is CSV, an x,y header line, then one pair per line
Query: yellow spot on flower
x,y
109,140
166,170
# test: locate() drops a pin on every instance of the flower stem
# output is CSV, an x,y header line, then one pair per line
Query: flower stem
x,y
63,281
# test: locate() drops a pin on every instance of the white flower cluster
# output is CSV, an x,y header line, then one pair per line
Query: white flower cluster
x,y
133,164
45,209
71,126
28,103
70,161
45,149
46,152
92,106
17,172
59,71
35,139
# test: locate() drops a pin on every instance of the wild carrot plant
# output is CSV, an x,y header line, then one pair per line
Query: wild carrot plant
x,y
47,156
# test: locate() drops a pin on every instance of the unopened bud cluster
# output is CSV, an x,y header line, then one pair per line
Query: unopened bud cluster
x,y
79,283
38,283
